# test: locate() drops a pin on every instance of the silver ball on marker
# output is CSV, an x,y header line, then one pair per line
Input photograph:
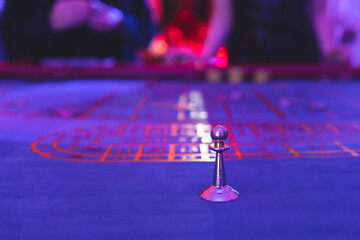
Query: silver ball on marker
x,y
219,133
219,191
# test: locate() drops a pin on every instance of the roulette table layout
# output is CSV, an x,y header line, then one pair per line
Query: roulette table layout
x,y
126,156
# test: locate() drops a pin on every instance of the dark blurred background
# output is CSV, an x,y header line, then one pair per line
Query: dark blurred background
x,y
180,31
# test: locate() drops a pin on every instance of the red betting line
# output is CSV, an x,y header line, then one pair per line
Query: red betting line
x,y
95,106
269,105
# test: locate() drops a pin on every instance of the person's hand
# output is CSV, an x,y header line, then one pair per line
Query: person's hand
x,y
338,55
105,18
66,14
180,55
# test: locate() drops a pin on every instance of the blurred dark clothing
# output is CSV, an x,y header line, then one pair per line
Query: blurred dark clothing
x,y
273,31
197,10
185,20
27,33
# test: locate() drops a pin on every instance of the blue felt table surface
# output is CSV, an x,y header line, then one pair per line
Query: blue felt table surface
x,y
281,199
296,197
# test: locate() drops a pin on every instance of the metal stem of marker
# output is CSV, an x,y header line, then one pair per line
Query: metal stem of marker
x,y
219,191
219,170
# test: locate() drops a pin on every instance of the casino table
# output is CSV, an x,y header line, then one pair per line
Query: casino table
x,y
123,152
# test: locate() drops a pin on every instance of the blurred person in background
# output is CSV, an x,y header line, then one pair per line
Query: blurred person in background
x,y
38,29
344,16
269,31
